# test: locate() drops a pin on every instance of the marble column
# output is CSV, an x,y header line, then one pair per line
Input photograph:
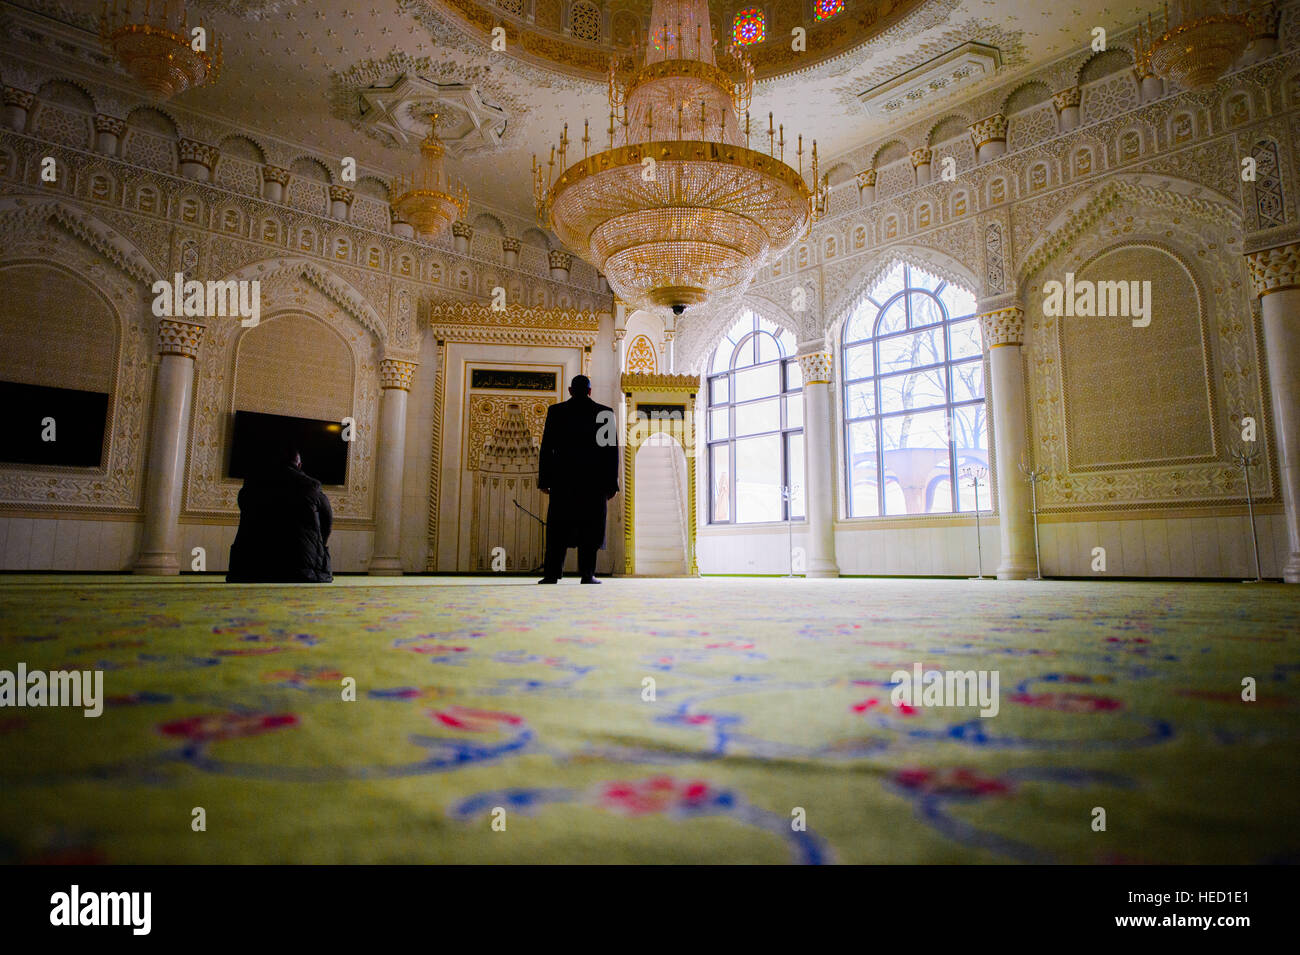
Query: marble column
x,y
1004,335
108,133
17,107
196,159
1275,275
340,201
178,346
818,455
989,136
510,251
561,262
867,186
275,181
461,234
921,165
395,378
1067,102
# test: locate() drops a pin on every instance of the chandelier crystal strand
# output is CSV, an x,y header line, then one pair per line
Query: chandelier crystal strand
x,y
427,198
154,42
678,211
1200,42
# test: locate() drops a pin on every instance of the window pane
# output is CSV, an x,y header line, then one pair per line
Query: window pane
x,y
919,389
744,354
722,357
721,484
863,494
793,376
794,411
925,310
858,362
861,323
718,424
860,400
767,349
757,382
971,437
966,341
968,380
940,494
758,479
759,417
794,459
919,279
915,452
718,389
958,301
786,341
911,351
894,318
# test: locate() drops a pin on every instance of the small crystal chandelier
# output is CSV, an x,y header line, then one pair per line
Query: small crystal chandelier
x,y
427,198
678,210
154,41
1201,41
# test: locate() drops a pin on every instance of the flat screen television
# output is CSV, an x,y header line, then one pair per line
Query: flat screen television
x,y
34,414
257,437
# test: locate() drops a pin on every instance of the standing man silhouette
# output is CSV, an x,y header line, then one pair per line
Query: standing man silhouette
x,y
578,470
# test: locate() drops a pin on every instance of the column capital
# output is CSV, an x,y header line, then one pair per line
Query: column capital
x,y
920,156
510,244
816,367
462,230
179,338
560,259
1003,326
109,124
341,194
1275,269
191,150
396,373
13,96
866,178
275,174
1066,98
989,129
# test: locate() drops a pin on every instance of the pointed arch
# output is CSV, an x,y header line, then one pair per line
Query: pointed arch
x,y
334,287
17,212
937,263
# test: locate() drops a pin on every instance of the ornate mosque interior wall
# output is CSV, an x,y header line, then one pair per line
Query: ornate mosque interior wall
x,y
1134,421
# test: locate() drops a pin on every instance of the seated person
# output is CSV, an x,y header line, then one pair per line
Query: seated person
x,y
284,526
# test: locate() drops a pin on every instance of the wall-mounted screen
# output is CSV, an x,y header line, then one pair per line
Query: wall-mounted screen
x,y
53,425
258,437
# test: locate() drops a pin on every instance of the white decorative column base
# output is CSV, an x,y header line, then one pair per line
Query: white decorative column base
x,y
1275,275
395,379
1004,333
819,493
178,344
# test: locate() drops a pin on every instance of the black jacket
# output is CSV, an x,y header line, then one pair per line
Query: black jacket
x,y
579,453
284,526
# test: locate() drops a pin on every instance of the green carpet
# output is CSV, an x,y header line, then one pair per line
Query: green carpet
x,y
498,721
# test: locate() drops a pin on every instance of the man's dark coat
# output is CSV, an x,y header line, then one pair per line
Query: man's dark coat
x,y
284,526
578,464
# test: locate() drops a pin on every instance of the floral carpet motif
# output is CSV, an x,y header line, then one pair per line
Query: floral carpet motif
x,y
738,720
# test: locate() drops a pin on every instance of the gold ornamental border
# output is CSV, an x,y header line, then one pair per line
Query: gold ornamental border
x,y
677,150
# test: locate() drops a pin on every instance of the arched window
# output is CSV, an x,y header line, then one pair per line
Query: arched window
x,y
750,26
755,426
914,412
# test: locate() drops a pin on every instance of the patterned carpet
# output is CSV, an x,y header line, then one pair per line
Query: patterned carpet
x,y
771,696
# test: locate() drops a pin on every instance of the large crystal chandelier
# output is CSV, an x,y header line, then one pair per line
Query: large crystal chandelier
x,y
427,198
679,209
1201,41
154,41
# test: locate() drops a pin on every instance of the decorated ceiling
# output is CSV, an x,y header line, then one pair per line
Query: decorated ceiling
x,y
360,78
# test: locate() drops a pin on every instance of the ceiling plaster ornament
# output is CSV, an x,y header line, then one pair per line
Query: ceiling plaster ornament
x,y
918,87
398,115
